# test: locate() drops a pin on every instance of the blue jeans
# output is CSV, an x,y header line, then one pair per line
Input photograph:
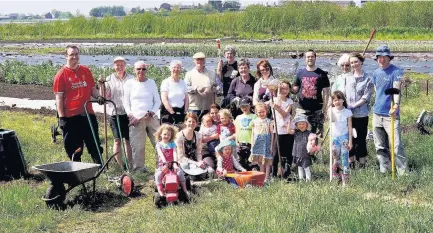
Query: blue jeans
x,y
382,139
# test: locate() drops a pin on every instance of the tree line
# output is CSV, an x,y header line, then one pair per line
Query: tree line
x,y
292,20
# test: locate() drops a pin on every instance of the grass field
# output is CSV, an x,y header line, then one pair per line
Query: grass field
x,y
371,203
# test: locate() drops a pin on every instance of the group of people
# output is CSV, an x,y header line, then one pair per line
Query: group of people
x,y
185,124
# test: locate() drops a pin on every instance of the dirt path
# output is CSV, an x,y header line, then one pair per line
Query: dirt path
x,y
34,92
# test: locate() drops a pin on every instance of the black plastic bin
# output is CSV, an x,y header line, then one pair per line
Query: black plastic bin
x,y
12,163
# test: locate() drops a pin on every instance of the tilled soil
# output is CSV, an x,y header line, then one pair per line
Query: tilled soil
x,y
35,92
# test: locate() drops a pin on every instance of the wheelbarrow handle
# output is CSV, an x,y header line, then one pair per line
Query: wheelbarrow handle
x,y
103,167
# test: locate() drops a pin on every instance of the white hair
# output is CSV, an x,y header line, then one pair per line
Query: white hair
x,y
174,63
139,63
344,58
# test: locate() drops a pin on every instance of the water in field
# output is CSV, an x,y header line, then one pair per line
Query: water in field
x,y
409,62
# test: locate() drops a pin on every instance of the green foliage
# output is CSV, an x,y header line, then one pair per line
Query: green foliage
x,y
17,72
294,20
107,11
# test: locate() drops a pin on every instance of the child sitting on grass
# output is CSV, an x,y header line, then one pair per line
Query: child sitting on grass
x,y
301,157
226,161
166,149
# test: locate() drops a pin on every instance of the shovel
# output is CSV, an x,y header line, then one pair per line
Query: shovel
x,y
392,92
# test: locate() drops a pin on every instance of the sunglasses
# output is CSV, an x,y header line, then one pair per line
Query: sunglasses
x,y
345,65
138,69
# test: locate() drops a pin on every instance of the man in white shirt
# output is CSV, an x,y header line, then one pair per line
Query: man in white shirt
x,y
202,85
141,101
114,90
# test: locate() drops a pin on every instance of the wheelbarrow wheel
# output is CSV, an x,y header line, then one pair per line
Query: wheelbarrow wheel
x,y
55,196
126,184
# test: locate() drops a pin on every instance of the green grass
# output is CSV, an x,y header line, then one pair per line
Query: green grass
x,y
371,203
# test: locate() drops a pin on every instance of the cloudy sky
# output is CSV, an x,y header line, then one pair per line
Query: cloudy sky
x,y
84,6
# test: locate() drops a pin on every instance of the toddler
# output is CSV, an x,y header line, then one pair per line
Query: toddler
x,y
166,149
226,161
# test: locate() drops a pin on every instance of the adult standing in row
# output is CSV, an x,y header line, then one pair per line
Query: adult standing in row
x,y
141,102
385,77
312,84
339,83
201,84
73,86
174,96
264,75
114,91
358,91
240,87
228,70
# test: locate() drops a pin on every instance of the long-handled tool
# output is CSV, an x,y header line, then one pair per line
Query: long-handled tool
x,y
273,86
371,37
218,43
392,92
126,182
102,86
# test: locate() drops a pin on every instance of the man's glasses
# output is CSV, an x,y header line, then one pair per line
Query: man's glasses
x,y
73,55
138,69
345,65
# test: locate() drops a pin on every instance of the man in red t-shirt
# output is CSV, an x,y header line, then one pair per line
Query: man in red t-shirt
x,y
73,86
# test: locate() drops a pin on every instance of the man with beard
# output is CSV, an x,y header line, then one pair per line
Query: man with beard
x,y
312,87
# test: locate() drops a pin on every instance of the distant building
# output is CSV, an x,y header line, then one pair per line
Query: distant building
x,y
186,7
217,4
13,15
48,15
5,17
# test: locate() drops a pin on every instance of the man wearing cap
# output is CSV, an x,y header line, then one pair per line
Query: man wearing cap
x,y
114,86
73,86
312,84
141,101
228,70
385,77
201,84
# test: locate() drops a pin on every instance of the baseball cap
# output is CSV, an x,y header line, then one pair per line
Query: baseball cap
x,y
245,101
